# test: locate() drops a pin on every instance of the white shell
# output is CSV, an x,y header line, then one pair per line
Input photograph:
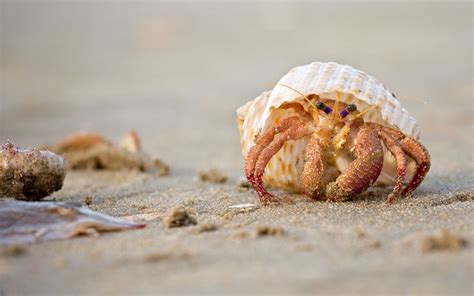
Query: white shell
x,y
325,80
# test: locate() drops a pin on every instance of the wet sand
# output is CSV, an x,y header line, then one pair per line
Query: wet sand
x,y
176,73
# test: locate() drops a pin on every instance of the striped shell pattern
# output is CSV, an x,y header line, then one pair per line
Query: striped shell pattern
x,y
325,80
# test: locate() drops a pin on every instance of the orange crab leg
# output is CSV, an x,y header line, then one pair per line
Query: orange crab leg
x,y
263,141
294,132
400,159
422,158
313,168
364,170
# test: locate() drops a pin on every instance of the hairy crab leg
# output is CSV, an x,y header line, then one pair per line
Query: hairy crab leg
x,y
422,158
361,172
263,141
295,132
394,147
313,168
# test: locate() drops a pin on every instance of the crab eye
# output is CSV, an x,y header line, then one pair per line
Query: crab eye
x,y
322,106
349,108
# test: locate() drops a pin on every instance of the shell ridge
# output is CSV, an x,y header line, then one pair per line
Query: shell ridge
x,y
347,83
381,93
362,84
299,82
315,80
322,79
337,76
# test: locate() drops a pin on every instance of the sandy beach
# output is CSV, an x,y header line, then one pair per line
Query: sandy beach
x,y
176,73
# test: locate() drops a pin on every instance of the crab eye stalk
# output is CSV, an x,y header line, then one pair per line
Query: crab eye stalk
x,y
323,107
350,108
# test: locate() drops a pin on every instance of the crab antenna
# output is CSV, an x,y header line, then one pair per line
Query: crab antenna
x,y
306,97
365,111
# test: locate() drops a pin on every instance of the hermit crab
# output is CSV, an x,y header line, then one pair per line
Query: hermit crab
x,y
330,131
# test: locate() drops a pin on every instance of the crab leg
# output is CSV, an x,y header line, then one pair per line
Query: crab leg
x,y
422,158
313,168
294,132
265,140
361,172
400,158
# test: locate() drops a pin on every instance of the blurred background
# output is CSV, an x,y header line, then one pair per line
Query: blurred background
x,y
176,71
